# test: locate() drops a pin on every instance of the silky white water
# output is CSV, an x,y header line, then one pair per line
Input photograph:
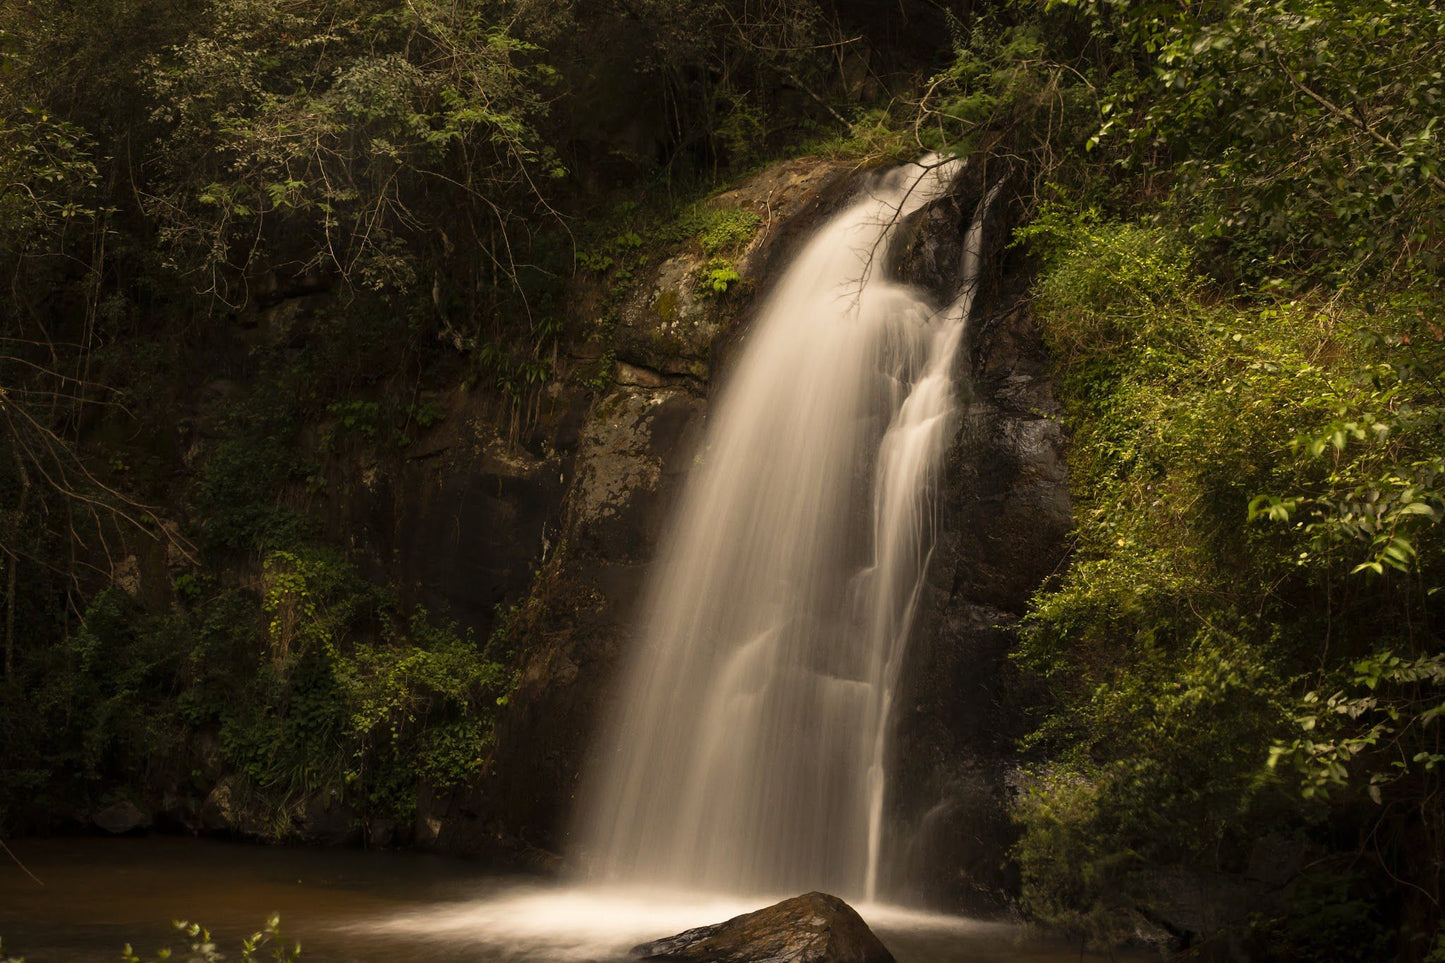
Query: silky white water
x,y
749,755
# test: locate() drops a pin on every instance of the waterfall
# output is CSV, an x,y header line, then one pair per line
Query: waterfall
x,y
749,751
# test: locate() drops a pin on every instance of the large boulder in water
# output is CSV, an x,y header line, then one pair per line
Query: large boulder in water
x,y
813,928
123,817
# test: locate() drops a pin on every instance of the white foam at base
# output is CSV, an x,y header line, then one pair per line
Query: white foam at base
x,y
590,923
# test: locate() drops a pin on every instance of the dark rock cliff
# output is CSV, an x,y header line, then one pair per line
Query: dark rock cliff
x,y
459,521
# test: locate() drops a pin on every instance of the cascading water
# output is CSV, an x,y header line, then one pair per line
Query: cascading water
x,y
749,755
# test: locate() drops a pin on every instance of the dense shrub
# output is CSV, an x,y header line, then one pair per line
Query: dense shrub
x,y
1246,624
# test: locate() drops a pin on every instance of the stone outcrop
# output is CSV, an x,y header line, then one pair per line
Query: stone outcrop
x,y
671,324
813,928
122,817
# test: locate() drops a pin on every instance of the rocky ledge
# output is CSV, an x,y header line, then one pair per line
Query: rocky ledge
x,y
812,928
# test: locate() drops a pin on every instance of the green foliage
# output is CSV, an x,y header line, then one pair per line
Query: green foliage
x,y
717,230
720,278
1255,461
1106,286
267,944
726,76
1245,629
315,689
1330,915
238,494
514,373
49,182
1001,83
99,704
359,416
424,710
621,257
377,423
742,130
408,105
426,415
351,704
1303,133
620,250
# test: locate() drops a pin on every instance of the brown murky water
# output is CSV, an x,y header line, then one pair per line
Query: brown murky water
x,y
362,907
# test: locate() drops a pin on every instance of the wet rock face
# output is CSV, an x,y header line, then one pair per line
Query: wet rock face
x,y
813,928
458,521
628,446
1003,519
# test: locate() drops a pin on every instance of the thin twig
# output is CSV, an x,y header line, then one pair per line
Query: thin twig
x,y
1353,120
23,868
